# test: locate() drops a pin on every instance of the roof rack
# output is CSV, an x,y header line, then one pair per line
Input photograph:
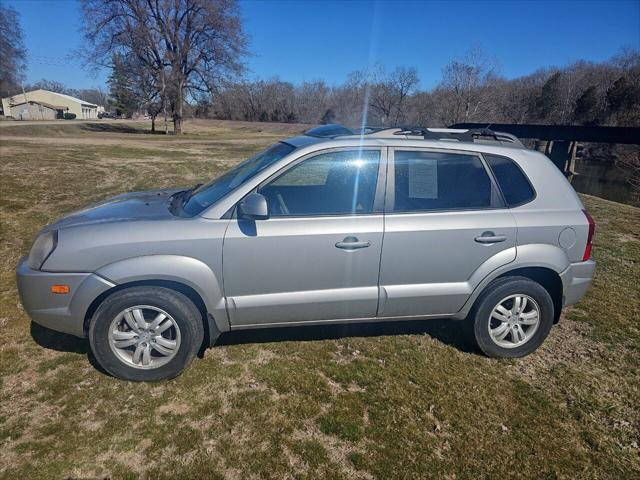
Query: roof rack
x,y
480,135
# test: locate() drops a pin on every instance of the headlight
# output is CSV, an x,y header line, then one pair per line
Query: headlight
x,y
41,249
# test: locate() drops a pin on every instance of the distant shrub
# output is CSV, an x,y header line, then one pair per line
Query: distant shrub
x,y
69,116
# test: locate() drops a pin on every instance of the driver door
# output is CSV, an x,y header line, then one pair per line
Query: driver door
x,y
316,258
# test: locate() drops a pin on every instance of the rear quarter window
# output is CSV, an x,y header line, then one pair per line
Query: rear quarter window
x,y
513,183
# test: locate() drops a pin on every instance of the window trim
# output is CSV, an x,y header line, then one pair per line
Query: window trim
x,y
526,177
378,198
391,178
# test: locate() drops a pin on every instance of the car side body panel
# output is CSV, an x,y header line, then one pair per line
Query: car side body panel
x,y
289,269
429,260
187,251
175,268
532,255
555,217
87,248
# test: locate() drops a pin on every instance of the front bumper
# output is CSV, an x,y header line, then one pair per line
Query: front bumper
x,y
61,312
576,280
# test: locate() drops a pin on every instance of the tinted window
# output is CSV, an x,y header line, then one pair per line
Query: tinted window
x,y
441,181
208,194
335,183
515,187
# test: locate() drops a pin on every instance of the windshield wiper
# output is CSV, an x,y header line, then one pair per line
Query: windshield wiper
x,y
187,194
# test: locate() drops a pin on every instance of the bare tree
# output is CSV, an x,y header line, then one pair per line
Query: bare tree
x,y
382,98
146,88
389,93
421,109
623,93
150,96
93,95
312,102
404,81
350,101
12,51
627,158
188,46
52,86
462,82
514,101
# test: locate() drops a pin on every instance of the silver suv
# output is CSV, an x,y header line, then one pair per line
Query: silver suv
x,y
332,226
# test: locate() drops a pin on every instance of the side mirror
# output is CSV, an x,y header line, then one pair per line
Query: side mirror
x,y
254,206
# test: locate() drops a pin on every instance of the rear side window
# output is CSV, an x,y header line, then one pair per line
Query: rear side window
x,y
427,181
515,186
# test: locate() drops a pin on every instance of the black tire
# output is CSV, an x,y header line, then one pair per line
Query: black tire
x,y
185,314
489,298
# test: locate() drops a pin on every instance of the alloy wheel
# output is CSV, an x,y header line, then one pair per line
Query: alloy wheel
x,y
514,321
144,336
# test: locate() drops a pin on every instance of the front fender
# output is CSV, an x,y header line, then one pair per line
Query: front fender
x,y
530,255
176,268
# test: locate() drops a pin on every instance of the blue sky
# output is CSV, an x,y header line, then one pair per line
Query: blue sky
x,y
308,40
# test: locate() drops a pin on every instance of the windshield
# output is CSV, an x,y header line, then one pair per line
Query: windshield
x,y
206,195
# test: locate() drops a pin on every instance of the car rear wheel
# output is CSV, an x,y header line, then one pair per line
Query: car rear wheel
x,y
512,317
146,333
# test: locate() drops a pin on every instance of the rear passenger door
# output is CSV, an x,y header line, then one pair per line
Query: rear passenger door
x,y
446,228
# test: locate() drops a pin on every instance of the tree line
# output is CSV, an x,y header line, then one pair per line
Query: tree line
x,y
470,90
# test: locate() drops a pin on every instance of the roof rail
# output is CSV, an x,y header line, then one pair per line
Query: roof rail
x,y
480,135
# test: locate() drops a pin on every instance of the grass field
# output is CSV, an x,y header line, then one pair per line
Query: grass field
x,y
409,400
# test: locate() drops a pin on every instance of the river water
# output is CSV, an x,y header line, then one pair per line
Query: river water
x,y
603,180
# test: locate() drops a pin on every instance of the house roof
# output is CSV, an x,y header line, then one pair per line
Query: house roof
x,y
44,104
75,99
68,97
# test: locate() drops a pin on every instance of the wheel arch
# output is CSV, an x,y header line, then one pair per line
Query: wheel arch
x,y
186,275
541,263
211,330
546,277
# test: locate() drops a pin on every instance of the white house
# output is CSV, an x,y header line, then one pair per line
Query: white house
x,y
63,102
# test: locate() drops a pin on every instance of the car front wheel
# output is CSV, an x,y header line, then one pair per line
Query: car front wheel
x,y
146,333
512,317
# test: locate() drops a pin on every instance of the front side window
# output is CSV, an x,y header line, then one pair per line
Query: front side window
x,y
332,183
206,195
428,181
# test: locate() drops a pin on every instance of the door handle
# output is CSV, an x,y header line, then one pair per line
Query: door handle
x,y
352,243
490,237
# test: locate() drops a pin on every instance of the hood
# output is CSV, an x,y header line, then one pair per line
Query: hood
x,y
145,205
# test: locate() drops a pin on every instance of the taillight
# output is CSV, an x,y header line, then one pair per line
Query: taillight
x,y
592,229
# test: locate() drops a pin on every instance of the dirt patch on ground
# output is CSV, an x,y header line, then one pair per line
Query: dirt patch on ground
x,y
567,345
338,450
174,408
626,237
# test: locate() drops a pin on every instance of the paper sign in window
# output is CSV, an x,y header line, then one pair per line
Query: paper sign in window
x,y
423,178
